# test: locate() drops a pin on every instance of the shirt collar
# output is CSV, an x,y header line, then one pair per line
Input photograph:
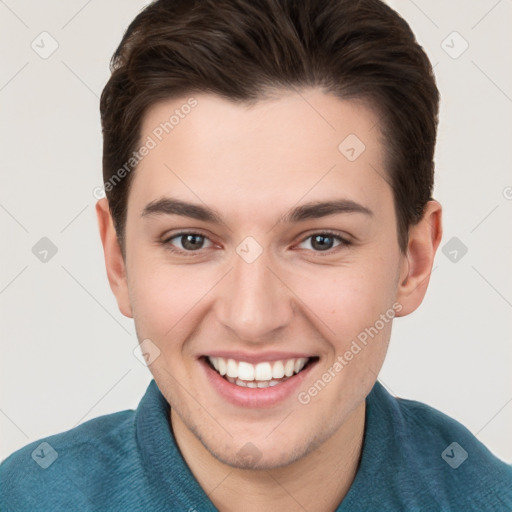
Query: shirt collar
x,y
161,457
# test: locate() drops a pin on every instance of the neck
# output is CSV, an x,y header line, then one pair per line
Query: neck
x,y
317,482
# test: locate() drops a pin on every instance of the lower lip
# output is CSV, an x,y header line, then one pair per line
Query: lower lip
x,y
255,397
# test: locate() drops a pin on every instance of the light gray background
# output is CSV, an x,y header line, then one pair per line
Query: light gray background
x,y
67,352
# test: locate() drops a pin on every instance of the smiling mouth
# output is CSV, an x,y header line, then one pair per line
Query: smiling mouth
x,y
261,375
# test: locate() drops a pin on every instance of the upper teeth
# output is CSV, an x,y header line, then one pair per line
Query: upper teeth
x,y
261,371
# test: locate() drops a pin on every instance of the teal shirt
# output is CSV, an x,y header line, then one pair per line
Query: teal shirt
x,y
414,458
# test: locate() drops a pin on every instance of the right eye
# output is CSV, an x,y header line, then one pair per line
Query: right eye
x,y
186,242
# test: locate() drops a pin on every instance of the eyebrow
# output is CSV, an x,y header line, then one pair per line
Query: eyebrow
x,y
311,210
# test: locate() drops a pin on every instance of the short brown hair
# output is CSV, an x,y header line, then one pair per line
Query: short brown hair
x,y
242,49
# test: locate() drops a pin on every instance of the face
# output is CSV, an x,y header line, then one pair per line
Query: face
x,y
253,236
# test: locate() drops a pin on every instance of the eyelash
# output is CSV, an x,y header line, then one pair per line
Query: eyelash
x,y
166,243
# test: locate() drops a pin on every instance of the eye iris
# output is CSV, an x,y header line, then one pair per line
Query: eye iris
x,y
321,242
191,241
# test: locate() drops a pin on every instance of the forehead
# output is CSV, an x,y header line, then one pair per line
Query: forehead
x,y
258,156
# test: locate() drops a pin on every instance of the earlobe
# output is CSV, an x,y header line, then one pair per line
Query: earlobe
x,y
424,239
114,262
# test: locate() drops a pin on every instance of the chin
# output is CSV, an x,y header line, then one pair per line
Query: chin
x,y
258,462
254,457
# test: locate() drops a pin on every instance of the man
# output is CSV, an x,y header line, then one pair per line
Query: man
x,y
268,171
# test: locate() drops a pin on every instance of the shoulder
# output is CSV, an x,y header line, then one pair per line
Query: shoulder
x,y
444,462
67,469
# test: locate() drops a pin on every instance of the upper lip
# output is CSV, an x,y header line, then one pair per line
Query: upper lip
x,y
261,357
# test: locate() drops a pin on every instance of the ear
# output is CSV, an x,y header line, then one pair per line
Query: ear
x,y
114,262
424,239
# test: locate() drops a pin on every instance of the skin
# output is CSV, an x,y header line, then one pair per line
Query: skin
x,y
253,164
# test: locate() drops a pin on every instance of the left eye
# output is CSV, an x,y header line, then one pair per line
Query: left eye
x,y
323,241
189,241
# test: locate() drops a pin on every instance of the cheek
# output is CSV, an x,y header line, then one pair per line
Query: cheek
x,y
349,299
165,297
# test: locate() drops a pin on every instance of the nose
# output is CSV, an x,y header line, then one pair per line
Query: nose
x,y
254,303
